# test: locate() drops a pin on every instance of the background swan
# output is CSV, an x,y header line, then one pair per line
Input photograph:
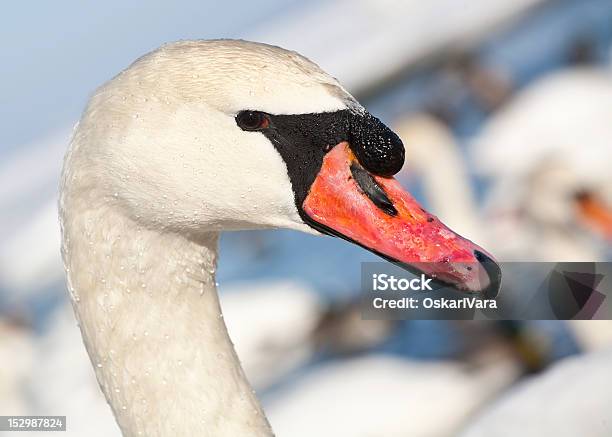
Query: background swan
x,y
564,150
285,324
449,193
415,394
573,398
409,396
560,127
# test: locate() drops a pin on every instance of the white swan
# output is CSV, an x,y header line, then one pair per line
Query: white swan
x,y
286,314
449,193
539,154
556,198
545,404
572,398
404,397
547,154
204,136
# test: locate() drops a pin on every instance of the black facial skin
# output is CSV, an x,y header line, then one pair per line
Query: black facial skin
x,y
303,140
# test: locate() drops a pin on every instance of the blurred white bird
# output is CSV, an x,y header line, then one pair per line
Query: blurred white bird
x,y
573,398
380,395
449,192
285,315
547,154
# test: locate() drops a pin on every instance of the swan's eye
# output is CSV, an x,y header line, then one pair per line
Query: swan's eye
x,y
252,120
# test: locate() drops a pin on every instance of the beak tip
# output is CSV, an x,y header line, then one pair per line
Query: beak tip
x,y
493,272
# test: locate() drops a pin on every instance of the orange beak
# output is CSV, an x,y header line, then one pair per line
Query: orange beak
x,y
595,214
377,213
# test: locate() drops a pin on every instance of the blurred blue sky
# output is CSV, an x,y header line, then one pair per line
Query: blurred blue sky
x,y
56,53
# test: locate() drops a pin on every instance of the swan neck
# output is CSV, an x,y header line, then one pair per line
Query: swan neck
x,y
149,314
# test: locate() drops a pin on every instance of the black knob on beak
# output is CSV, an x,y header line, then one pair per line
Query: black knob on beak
x,y
378,149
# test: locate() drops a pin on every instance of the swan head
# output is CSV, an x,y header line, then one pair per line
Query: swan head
x,y
227,135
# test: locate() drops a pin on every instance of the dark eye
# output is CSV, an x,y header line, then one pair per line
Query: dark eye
x,y
252,120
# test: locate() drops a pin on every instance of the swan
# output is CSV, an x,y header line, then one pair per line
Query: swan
x,y
411,395
287,314
546,161
450,195
407,396
200,137
572,398
555,199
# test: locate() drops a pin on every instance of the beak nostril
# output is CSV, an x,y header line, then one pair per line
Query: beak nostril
x,y
493,271
370,188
